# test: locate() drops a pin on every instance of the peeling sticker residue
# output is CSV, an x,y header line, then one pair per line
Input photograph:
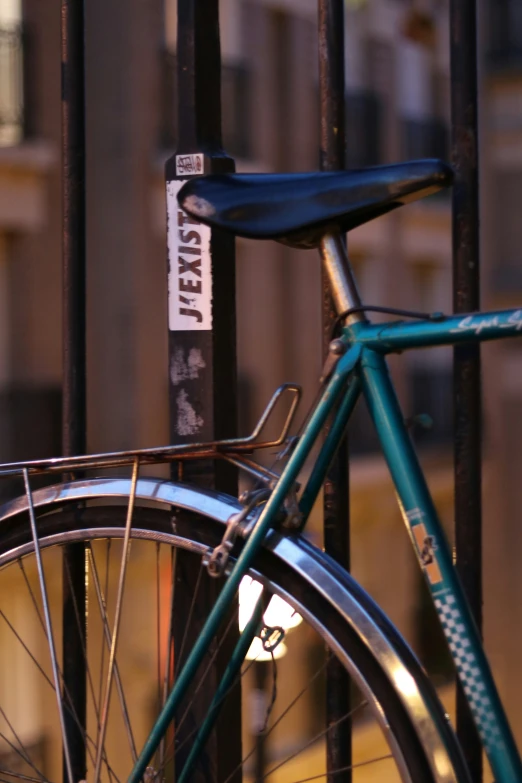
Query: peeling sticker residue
x,y
189,423
181,370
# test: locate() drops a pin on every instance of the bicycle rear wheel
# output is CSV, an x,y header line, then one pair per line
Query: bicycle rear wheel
x,y
400,732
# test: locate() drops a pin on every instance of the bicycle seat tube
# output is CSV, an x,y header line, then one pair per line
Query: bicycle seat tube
x,y
340,275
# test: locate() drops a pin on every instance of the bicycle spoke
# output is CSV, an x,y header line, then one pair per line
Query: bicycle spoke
x,y
48,624
88,668
32,596
107,635
158,639
201,683
280,718
201,680
238,678
19,775
106,594
317,736
168,657
26,648
341,769
179,655
294,701
117,618
39,667
4,780
23,754
100,691
68,706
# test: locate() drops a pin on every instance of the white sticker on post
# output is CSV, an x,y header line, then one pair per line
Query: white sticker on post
x,y
190,271
187,165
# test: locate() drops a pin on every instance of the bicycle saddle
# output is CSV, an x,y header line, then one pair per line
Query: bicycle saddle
x,y
298,209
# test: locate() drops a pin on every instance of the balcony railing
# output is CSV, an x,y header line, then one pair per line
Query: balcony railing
x,y
504,29
235,102
12,79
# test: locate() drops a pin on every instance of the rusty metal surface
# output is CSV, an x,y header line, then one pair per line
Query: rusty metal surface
x,y
202,362
336,487
215,449
74,424
466,293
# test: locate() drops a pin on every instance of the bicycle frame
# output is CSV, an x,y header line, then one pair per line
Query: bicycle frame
x,y
362,369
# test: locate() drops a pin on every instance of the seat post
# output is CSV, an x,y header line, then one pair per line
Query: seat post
x,y
340,275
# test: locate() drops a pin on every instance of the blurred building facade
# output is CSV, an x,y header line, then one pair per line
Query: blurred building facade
x,y
397,107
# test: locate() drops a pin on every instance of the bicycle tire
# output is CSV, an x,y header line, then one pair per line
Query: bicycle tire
x,y
423,745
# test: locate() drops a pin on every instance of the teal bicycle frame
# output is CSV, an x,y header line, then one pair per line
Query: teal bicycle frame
x,y
363,369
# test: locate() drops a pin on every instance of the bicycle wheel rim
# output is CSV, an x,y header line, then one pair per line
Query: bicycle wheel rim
x,y
197,534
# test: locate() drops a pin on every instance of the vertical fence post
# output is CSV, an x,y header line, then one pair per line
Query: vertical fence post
x,y
74,372
336,487
202,337
466,298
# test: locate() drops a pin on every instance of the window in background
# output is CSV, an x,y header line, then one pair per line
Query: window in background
x,y
504,34
11,73
506,266
10,11
363,129
430,371
424,131
380,67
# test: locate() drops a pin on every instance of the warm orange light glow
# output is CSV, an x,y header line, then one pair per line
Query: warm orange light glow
x,y
278,614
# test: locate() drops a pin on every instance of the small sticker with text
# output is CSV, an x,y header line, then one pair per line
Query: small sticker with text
x,y
187,165
427,548
190,267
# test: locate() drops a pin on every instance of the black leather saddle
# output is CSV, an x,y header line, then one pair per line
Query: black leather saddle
x,y
298,209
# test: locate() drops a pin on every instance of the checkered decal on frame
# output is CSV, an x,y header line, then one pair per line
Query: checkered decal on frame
x,y
468,670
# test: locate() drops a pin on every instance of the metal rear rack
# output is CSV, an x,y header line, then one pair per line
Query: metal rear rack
x,y
233,450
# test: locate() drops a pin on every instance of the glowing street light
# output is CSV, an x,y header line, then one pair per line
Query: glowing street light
x,y
279,614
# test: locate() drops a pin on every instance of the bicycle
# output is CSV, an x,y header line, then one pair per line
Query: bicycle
x,y
258,534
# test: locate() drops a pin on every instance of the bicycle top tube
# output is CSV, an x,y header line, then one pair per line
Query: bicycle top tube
x,y
403,335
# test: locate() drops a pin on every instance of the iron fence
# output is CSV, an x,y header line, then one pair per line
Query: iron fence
x,y
235,96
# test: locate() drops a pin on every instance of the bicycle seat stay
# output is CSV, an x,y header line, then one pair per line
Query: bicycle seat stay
x,y
298,209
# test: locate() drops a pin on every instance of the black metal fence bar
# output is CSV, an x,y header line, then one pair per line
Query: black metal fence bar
x,y
467,388
202,345
235,102
74,366
336,489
